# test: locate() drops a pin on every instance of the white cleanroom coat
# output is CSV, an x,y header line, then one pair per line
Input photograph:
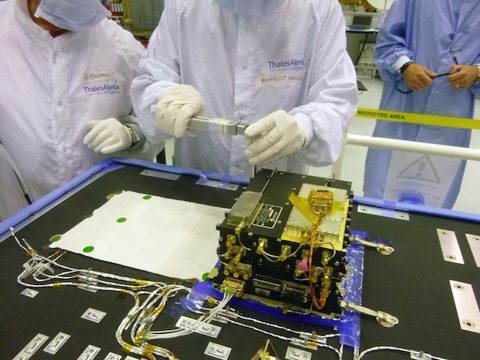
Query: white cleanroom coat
x,y
246,67
52,86
11,193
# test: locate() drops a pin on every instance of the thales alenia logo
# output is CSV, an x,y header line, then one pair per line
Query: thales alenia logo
x,y
108,87
295,64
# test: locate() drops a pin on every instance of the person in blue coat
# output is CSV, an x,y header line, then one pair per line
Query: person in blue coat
x,y
428,54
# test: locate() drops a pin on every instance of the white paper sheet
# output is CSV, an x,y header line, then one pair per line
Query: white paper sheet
x,y
164,236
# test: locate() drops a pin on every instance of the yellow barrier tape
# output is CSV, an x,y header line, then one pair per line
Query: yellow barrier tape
x,y
421,119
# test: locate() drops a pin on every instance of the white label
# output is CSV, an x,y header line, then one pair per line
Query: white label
x,y
32,347
113,356
29,293
297,354
93,315
56,343
200,328
217,351
89,353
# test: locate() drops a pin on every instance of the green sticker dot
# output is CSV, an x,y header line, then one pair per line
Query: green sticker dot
x,y
205,276
121,220
147,197
55,238
88,249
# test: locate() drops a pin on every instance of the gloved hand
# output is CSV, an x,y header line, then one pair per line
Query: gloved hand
x,y
175,109
107,136
275,136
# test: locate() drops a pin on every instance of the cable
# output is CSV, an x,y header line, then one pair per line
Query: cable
x,y
393,348
362,48
280,327
144,313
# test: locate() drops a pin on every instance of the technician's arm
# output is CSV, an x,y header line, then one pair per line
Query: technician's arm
x,y
158,71
332,94
391,52
120,134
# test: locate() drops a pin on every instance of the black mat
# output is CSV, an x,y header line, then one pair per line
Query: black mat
x,y
412,284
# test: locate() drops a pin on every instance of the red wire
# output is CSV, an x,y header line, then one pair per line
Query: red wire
x,y
313,234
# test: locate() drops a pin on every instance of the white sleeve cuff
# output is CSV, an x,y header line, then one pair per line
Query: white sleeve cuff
x,y
402,60
306,124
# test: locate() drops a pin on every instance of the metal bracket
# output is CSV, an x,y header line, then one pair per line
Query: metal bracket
x,y
217,125
383,318
450,248
467,307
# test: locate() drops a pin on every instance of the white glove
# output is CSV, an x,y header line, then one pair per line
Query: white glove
x,y
274,137
175,109
107,136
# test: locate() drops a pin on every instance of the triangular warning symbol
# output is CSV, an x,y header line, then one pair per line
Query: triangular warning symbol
x,y
421,169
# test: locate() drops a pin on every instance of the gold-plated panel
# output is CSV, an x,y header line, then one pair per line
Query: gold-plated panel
x,y
331,229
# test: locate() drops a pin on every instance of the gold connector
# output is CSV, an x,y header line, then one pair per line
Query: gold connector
x,y
262,245
321,201
285,252
231,240
232,286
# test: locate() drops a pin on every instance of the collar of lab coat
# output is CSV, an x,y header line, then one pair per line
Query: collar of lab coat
x,y
41,37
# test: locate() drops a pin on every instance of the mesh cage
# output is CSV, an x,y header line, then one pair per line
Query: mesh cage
x,y
142,16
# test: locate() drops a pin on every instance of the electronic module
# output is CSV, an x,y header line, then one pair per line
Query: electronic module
x,y
284,243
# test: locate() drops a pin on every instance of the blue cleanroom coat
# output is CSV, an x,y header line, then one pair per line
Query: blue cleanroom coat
x,y
432,33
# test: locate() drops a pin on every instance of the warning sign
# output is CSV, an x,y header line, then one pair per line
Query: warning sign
x,y
421,169
419,178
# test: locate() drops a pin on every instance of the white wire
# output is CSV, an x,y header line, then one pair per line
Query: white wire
x,y
277,257
279,327
393,348
289,339
143,314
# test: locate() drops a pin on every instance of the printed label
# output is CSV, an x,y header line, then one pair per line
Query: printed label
x,y
113,356
29,293
93,315
89,353
297,354
32,347
56,343
217,351
200,328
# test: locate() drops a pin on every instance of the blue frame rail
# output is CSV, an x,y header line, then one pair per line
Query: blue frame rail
x,y
112,164
99,169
